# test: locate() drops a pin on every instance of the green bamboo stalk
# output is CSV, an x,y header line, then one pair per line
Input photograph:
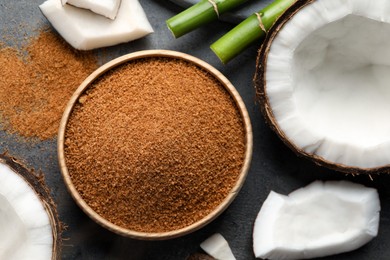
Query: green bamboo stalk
x,y
250,30
200,14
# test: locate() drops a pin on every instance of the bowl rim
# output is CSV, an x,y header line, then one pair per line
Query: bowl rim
x,y
216,211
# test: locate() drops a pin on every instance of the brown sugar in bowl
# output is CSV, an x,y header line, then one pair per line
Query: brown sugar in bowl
x,y
155,144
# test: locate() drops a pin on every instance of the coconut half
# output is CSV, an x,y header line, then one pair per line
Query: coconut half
x,y
322,78
29,222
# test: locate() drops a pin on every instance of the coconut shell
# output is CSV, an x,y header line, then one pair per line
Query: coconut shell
x,y
37,183
262,98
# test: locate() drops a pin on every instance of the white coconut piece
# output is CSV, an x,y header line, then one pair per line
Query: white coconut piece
x,y
85,30
327,75
217,247
107,8
321,219
24,224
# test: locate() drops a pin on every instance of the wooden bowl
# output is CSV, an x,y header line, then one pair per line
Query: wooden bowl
x,y
214,213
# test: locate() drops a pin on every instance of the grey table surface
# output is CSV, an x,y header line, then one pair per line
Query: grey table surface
x,y
274,166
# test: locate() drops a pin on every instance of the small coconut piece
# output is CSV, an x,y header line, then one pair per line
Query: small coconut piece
x,y
323,85
85,30
321,219
217,247
107,8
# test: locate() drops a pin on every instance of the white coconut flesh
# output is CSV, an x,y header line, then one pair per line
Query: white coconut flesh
x,y
85,30
327,81
25,227
321,219
217,247
107,8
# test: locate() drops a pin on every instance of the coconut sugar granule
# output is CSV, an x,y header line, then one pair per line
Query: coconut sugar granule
x,y
37,82
155,145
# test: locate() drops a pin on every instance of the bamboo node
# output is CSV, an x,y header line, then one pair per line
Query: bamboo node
x,y
260,22
214,4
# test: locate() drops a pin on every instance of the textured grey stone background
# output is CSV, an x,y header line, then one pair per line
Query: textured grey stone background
x,y
274,166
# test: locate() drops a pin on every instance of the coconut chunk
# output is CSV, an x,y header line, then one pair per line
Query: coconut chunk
x,y
217,247
24,223
85,30
107,8
321,219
